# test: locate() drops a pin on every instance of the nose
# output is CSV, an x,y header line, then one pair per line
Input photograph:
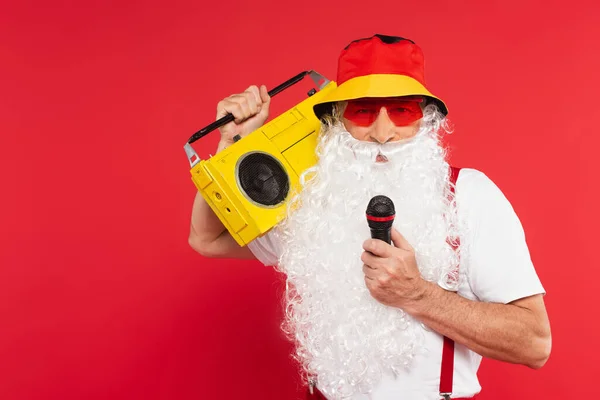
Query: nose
x,y
383,129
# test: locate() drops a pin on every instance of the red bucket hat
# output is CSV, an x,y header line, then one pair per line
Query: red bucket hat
x,y
379,66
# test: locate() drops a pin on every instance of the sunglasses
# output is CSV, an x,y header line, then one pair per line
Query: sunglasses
x,y
402,111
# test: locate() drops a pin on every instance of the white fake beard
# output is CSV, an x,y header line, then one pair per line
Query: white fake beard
x,y
344,337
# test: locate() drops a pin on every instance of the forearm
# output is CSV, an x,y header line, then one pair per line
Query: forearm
x,y
504,332
205,225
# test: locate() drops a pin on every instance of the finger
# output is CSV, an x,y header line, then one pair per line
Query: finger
x,y
264,94
369,272
370,260
227,106
256,101
255,93
245,100
238,106
378,247
252,103
266,101
400,241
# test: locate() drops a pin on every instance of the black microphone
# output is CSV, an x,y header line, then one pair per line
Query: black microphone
x,y
380,217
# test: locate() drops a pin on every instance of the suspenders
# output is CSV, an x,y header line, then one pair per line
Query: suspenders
x,y
447,365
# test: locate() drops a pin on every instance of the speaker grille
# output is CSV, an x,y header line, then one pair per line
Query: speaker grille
x,y
263,179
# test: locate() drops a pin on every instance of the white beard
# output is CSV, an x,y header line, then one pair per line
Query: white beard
x,y
344,337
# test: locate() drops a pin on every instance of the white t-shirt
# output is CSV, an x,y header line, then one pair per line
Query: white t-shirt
x,y
496,268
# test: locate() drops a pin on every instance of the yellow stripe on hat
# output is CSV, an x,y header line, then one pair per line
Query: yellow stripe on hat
x,y
377,85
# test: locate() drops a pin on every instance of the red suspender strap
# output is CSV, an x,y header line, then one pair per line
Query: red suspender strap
x,y
454,171
447,370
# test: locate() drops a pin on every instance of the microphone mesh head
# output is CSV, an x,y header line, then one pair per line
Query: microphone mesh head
x,y
381,206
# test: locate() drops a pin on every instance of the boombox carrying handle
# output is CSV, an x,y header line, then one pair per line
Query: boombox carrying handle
x,y
319,80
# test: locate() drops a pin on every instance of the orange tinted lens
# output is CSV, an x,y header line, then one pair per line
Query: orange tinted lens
x,y
363,112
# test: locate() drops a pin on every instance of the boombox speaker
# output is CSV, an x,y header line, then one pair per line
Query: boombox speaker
x,y
249,184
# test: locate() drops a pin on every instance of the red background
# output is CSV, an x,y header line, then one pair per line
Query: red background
x,y
100,295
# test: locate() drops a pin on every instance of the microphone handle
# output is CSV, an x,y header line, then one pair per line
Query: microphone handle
x,y
382,234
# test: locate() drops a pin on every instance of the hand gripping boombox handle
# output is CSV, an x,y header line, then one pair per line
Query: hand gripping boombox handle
x,y
317,78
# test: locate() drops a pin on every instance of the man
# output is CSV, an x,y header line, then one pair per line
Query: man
x,y
406,320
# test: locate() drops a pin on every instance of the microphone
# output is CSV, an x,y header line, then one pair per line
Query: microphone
x,y
380,217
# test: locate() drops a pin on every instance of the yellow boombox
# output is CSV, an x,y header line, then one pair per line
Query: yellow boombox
x,y
249,184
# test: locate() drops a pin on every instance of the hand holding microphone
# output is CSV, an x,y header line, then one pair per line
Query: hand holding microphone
x,y
390,268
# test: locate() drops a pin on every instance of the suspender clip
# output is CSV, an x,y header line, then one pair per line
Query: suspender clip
x,y
311,385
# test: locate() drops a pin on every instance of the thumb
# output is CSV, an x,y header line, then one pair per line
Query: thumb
x,y
400,241
264,95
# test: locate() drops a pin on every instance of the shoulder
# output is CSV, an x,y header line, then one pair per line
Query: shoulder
x,y
476,191
483,206
495,252
474,180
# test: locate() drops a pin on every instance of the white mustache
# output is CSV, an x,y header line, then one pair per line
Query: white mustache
x,y
370,150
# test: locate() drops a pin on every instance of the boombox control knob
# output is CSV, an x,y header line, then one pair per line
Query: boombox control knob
x,y
236,138
311,92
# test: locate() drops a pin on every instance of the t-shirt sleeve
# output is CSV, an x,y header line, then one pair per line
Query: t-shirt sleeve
x,y
266,248
499,265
